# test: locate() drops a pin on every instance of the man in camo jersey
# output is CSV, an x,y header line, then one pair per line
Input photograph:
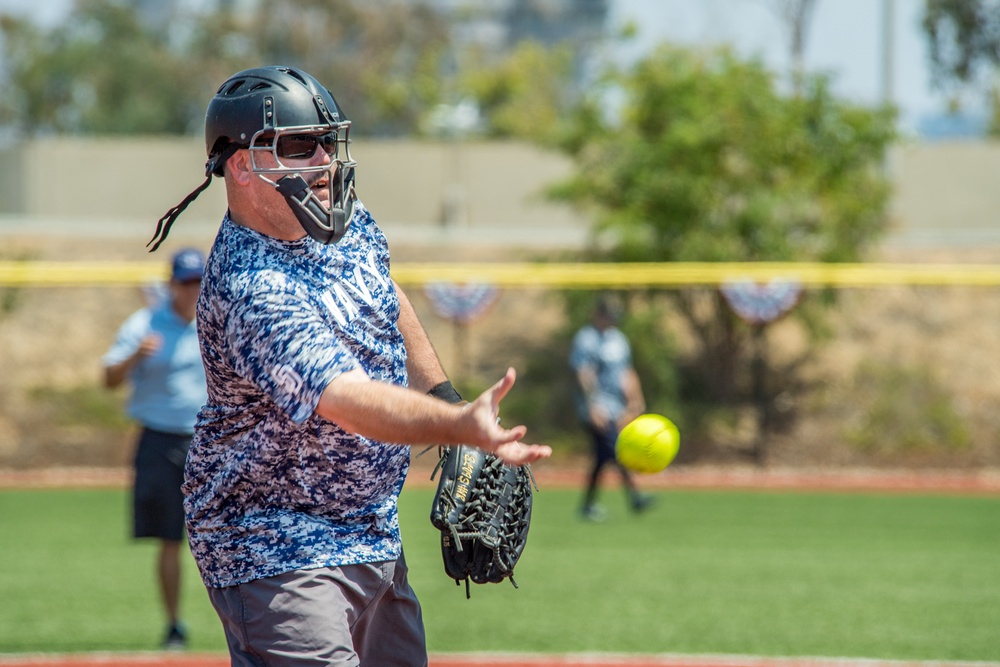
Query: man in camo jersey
x,y
318,376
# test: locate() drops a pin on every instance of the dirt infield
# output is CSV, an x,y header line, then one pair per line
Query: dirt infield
x,y
482,660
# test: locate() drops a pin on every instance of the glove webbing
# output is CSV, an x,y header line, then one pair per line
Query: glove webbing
x,y
495,520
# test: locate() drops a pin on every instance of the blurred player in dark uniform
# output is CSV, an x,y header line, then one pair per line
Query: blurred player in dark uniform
x,y
609,396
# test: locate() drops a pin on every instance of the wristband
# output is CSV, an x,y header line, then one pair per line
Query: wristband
x,y
445,392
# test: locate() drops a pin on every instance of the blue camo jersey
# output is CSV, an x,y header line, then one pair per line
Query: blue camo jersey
x,y
269,486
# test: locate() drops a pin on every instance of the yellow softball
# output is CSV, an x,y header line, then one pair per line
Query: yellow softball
x,y
648,443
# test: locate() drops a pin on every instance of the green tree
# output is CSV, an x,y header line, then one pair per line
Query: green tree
x,y
381,61
523,95
99,72
707,161
104,71
964,37
964,41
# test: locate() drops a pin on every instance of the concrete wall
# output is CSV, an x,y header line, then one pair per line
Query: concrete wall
x,y
412,183
489,191
948,190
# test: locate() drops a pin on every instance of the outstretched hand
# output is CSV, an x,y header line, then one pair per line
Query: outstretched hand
x,y
503,442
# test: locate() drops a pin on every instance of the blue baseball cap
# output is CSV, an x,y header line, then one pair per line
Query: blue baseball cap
x,y
188,264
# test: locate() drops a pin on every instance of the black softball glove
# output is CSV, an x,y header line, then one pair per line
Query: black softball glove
x,y
482,507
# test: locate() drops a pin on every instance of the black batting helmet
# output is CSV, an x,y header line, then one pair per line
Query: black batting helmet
x,y
265,99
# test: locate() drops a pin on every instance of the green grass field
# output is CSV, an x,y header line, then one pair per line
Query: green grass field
x,y
807,574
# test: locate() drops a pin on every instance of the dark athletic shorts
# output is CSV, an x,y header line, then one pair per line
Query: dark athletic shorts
x,y
157,501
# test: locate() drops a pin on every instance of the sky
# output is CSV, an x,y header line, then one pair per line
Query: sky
x,y
845,40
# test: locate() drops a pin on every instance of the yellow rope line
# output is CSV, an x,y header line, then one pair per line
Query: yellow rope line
x,y
562,275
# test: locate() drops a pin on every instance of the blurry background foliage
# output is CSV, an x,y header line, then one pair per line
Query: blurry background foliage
x,y
906,409
684,155
708,161
108,69
105,71
964,41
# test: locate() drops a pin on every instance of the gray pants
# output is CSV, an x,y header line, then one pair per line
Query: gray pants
x,y
355,615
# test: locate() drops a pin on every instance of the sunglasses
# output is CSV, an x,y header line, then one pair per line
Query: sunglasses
x,y
301,146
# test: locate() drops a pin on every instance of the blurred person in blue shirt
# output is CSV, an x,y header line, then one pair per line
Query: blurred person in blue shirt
x,y
156,352
609,396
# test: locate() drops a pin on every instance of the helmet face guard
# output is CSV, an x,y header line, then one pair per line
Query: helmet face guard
x,y
326,224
